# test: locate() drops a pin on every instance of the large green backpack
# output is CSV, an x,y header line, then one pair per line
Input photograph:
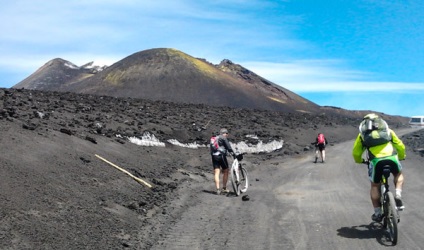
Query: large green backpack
x,y
374,131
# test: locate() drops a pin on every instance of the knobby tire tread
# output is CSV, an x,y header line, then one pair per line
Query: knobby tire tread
x,y
392,218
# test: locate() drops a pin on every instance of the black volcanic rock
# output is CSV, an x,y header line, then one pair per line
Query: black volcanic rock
x,y
415,140
56,194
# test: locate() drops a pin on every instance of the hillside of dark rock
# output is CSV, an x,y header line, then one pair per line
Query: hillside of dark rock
x,y
415,141
58,194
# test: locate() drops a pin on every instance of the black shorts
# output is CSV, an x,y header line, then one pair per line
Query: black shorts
x,y
219,161
321,147
377,165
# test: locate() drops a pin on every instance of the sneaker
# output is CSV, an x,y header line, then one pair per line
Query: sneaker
x,y
377,217
225,190
399,203
218,192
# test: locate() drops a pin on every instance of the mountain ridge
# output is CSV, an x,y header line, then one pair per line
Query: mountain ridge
x,y
57,71
171,75
165,74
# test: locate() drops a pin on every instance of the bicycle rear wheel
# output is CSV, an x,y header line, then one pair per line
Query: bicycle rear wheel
x,y
391,218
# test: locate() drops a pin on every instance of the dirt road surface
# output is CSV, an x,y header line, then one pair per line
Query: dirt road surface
x,y
296,204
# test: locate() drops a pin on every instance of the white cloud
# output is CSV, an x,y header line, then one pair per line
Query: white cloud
x,y
324,76
106,31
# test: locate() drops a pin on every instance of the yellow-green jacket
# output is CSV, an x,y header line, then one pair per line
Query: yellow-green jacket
x,y
379,151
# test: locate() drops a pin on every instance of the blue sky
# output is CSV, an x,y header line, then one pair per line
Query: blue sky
x,y
357,55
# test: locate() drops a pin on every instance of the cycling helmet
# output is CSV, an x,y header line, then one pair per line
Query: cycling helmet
x,y
371,116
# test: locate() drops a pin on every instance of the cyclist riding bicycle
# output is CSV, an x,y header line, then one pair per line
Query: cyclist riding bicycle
x,y
383,148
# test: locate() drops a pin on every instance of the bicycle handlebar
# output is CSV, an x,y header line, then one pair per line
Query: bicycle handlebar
x,y
235,155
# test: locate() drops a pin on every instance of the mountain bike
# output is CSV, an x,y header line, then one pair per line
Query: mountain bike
x,y
391,215
239,177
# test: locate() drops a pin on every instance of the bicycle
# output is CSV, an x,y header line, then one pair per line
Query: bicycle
x,y
239,178
391,216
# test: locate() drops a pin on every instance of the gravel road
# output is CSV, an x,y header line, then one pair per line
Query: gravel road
x,y
296,204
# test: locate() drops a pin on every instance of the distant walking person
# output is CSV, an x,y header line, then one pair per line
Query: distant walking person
x,y
383,148
320,143
219,147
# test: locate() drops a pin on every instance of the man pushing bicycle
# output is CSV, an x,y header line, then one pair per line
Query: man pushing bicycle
x,y
219,147
383,148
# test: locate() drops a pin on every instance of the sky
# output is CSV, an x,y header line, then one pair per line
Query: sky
x,y
356,55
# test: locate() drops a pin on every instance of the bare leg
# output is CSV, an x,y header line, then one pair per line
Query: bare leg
x,y
316,154
323,155
225,177
375,194
217,171
398,180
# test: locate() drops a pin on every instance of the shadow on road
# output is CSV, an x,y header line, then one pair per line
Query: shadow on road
x,y
230,194
373,230
360,232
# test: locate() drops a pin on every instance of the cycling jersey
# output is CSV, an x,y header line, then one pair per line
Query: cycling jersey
x,y
379,151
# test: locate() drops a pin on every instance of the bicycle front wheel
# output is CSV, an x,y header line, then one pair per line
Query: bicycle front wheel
x,y
244,181
391,218
234,180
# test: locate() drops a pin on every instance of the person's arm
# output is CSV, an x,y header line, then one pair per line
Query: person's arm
x,y
227,146
358,149
398,145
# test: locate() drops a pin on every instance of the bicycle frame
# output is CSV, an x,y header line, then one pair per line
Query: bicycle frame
x,y
384,189
390,211
388,206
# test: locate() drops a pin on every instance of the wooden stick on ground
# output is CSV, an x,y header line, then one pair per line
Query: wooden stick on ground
x,y
125,171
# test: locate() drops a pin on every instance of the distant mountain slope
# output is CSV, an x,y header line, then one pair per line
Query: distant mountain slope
x,y
171,75
57,72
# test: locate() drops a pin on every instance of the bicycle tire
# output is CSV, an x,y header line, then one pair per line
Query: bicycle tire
x,y
234,178
244,180
391,218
